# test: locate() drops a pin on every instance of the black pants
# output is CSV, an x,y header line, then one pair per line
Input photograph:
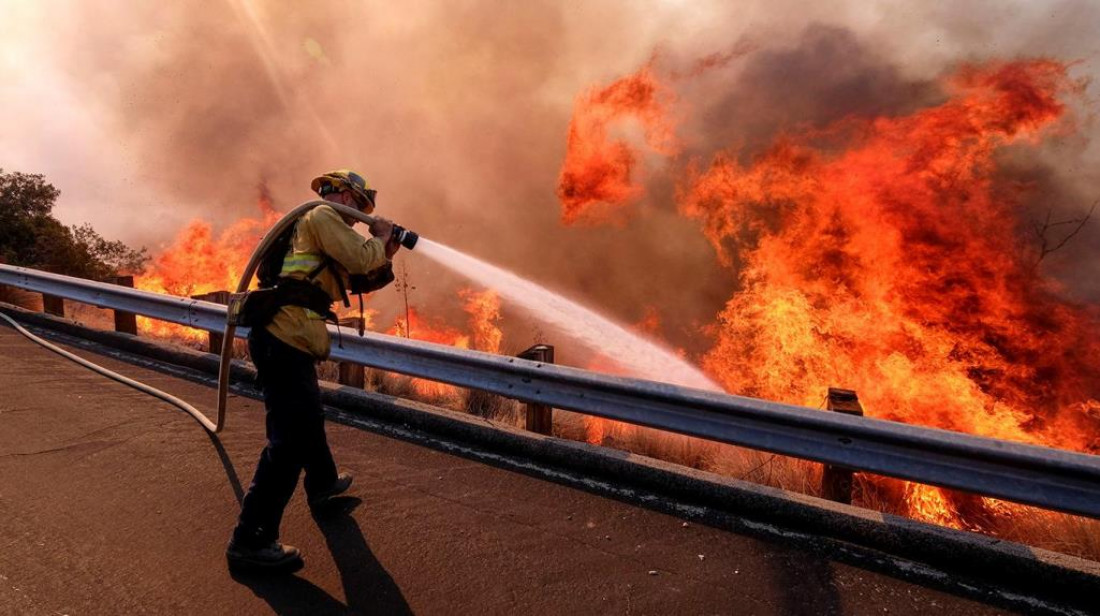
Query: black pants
x,y
295,437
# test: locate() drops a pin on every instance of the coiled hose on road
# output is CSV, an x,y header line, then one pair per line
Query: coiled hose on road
x,y
230,326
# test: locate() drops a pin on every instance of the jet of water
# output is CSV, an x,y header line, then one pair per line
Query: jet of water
x,y
640,357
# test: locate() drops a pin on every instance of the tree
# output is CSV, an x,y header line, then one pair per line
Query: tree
x,y
25,203
116,256
31,237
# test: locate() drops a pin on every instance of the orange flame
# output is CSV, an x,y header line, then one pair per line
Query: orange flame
x,y
884,255
419,328
199,262
484,310
428,330
891,263
600,169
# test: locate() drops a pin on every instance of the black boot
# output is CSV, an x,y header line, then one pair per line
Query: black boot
x,y
250,551
338,487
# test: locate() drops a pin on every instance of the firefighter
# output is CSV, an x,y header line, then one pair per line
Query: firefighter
x,y
325,252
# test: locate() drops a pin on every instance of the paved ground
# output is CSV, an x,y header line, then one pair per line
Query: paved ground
x,y
113,503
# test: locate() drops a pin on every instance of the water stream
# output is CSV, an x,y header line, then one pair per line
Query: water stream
x,y
637,356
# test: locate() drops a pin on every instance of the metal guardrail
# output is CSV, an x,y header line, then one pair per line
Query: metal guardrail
x,y
1041,476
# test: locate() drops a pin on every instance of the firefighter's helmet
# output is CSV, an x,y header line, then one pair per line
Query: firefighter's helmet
x,y
346,179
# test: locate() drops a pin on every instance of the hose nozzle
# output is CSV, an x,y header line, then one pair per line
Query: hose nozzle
x,y
405,237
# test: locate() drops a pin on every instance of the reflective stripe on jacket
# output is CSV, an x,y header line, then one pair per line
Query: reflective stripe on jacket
x,y
322,231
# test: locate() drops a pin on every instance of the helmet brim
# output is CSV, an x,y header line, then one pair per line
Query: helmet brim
x,y
360,194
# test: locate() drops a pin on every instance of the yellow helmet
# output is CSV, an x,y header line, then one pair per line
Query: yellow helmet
x,y
345,179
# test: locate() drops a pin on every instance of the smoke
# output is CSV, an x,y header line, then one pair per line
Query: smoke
x,y
827,75
148,115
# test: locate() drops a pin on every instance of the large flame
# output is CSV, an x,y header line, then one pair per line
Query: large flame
x,y
886,255
895,265
199,261
484,310
600,168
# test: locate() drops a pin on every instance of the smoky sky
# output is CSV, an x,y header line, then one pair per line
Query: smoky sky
x,y
827,75
148,115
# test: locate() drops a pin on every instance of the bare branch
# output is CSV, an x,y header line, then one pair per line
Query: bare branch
x,y
1041,230
404,286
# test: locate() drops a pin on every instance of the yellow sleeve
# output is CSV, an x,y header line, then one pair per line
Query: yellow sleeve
x,y
336,239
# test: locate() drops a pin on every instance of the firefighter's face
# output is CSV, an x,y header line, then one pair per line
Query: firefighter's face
x,y
353,200
347,198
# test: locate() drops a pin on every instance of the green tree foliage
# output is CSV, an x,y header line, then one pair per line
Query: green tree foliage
x,y
31,237
116,256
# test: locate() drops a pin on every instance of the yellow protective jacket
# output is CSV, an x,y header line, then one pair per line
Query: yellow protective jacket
x,y
322,231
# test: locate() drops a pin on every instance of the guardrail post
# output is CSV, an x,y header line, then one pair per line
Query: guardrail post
x,y
836,481
125,322
540,417
214,339
52,304
351,374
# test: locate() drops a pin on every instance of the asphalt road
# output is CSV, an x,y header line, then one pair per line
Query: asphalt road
x,y
112,502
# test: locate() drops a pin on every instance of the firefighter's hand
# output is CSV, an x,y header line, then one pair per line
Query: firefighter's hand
x,y
392,247
382,229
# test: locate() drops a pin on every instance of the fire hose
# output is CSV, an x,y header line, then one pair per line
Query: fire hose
x,y
405,237
138,385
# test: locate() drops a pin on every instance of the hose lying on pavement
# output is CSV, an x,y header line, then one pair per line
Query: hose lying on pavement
x,y
152,391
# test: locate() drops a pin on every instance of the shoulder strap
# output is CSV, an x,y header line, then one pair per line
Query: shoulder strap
x,y
271,266
315,272
326,262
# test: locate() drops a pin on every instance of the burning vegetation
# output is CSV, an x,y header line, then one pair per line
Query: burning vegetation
x,y
888,254
198,262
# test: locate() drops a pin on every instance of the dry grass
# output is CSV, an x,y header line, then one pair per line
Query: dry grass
x,y
493,407
328,371
879,494
569,426
389,383
676,448
767,469
1050,530
90,316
